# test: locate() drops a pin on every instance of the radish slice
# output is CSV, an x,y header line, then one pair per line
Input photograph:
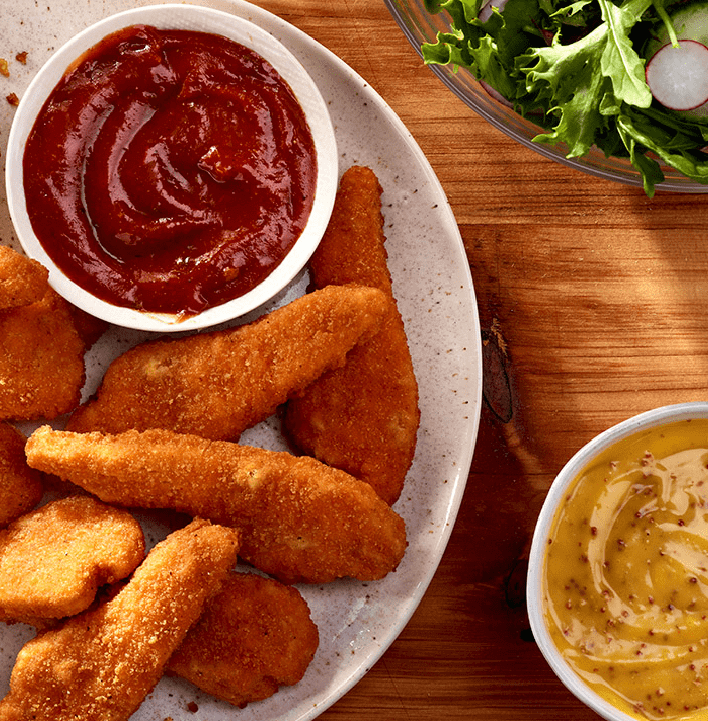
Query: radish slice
x,y
678,76
487,10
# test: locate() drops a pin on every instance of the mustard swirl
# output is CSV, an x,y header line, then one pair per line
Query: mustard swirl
x,y
626,575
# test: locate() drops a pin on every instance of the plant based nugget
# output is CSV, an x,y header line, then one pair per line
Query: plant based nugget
x,y
218,384
300,519
363,417
353,247
21,487
41,360
53,559
255,636
101,664
23,281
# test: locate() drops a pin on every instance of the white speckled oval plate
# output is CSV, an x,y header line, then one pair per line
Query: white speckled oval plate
x,y
357,621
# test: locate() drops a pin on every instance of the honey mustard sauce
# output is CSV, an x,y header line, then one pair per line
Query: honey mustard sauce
x,y
626,573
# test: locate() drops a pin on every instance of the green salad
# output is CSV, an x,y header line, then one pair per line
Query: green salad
x,y
579,70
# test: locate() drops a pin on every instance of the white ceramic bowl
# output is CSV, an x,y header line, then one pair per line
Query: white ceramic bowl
x,y
193,17
556,495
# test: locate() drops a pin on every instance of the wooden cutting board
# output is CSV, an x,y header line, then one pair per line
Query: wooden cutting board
x,y
594,307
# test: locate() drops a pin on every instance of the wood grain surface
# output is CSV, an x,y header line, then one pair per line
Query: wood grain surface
x,y
593,301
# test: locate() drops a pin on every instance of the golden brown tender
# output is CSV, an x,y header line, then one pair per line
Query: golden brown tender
x,y
353,247
363,417
53,559
22,280
255,636
300,519
41,360
220,383
21,487
101,664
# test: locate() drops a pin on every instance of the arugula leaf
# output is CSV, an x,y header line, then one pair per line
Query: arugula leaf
x,y
588,91
574,78
565,78
619,60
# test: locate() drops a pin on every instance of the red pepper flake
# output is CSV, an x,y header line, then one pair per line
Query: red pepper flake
x,y
191,706
693,579
681,522
593,530
21,57
12,99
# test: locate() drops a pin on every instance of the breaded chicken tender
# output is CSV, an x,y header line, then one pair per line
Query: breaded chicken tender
x,y
53,559
218,384
21,487
41,360
363,417
300,519
101,664
253,637
23,281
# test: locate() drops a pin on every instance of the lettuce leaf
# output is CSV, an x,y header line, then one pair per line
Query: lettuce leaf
x,y
573,68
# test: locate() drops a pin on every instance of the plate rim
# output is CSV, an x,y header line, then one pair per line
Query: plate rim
x,y
468,438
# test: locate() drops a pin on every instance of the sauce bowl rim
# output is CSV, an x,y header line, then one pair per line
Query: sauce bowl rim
x,y
179,16
536,566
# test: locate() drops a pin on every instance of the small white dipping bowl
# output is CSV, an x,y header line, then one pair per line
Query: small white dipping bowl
x,y
189,17
556,496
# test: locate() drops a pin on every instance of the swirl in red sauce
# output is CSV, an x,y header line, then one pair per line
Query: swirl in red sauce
x,y
169,170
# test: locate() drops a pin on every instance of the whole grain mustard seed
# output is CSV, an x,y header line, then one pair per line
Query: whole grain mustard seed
x,y
634,602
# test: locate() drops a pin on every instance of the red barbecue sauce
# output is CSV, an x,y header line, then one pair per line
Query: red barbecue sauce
x,y
169,170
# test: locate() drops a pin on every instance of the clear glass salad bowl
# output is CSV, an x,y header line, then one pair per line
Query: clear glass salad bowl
x,y
421,26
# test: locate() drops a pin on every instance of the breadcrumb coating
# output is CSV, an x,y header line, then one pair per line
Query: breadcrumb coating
x,y
363,417
218,384
253,637
53,559
21,487
300,519
23,281
41,360
100,665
